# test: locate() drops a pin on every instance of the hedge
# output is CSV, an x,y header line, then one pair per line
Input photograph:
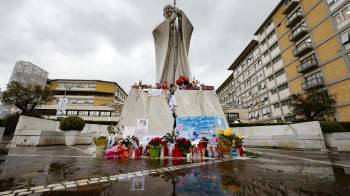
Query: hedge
x,y
255,124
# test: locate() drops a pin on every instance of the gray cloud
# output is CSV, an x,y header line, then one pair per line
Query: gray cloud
x,y
112,40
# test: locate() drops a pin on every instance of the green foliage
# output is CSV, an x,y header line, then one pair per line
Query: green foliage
x,y
251,154
25,97
110,129
255,124
315,104
331,127
171,137
72,123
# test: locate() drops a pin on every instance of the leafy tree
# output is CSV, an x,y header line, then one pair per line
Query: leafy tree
x,y
315,104
25,97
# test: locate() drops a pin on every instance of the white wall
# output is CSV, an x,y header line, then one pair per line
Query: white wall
x,y
35,131
297,136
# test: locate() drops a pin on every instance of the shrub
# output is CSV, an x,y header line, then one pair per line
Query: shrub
x,y
72,123
331,127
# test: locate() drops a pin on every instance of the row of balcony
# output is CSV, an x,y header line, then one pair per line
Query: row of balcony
x,y
297,33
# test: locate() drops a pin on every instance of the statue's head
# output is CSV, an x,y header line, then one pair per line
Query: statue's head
x,y
169,12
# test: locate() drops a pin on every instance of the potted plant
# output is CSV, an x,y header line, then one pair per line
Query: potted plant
x,y
170,139
155,145
225,141
183,144
138,150
72,125
101,145
239,144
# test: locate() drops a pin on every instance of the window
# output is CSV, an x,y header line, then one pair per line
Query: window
x,y
342,15
331,2
271,78
268,66
273,91
279,73
282,87
271,34
266,54
345,38
276,105
275,45
286,102
276,60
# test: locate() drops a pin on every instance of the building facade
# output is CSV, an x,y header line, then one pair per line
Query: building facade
x,y
93,100
28,73
301,45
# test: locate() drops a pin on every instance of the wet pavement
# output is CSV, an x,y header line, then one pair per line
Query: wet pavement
x,y
60,170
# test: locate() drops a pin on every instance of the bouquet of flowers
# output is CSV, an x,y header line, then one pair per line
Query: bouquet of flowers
x,y
126,141
157,141
136,140
171,137
182,81
184,144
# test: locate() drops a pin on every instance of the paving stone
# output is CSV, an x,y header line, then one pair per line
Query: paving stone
x,y
25,193
112,179
93,182
70,182
82,183
20,190
36,188
94,179
53,185
59,188
103,180
71,185
5,192
42,190
83,180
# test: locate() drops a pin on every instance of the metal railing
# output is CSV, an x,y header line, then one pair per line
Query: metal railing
x,y
298,33
313,83
307,64
295,17
302,48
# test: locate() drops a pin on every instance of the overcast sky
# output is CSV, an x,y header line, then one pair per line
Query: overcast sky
x,y
112,39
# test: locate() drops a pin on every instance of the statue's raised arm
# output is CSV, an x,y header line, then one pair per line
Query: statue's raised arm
x,y
172,42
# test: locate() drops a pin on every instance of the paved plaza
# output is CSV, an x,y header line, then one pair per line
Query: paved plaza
x,y
59,170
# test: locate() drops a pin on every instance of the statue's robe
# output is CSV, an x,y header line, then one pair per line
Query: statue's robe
x,y
172,49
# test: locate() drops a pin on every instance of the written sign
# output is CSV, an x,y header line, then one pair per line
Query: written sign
x,y
196,127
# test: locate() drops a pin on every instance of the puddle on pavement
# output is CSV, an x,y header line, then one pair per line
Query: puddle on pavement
x,y
227,178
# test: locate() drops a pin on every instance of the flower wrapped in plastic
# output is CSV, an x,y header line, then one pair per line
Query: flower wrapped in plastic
x,y
117,152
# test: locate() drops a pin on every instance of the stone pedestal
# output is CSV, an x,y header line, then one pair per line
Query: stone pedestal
x,y
140,105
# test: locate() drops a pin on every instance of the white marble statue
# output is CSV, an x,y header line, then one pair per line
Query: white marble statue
x,y
172,42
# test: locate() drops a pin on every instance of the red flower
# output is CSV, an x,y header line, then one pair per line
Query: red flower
x,y
155,141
